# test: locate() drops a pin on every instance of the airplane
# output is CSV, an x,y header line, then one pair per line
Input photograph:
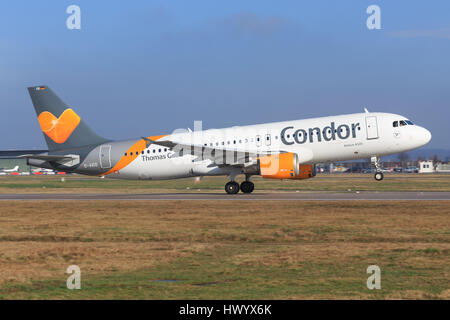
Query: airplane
x,y
43,171
278,150
15,169
338,168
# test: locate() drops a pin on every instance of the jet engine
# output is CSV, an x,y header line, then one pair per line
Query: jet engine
x,y
284,166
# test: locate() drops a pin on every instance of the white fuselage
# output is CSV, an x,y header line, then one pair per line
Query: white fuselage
x,y
317,140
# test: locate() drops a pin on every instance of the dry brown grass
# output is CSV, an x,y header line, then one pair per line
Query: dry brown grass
x,y
321,241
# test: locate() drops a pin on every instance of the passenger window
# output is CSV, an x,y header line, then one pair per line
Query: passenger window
x,y
268,142
125,154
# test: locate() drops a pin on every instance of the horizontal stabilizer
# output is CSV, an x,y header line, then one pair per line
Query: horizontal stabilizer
x,y
11,154
68,160
47,157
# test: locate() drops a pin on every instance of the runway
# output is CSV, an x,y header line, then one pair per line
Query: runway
x,y
352,196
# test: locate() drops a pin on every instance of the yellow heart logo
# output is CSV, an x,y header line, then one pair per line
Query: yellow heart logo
x,y
59,129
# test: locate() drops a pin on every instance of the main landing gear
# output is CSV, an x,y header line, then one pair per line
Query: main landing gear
x,y
378,174
247,186
232,187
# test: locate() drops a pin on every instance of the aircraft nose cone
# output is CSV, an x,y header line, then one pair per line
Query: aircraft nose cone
x,y
425,136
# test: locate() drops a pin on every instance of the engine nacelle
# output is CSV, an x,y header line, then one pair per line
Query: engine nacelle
x,y
306,171
284,166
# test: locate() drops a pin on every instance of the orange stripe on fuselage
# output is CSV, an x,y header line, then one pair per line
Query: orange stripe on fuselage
x,y
131,155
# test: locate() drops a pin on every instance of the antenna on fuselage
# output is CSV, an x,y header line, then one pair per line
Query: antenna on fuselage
x,y
366,111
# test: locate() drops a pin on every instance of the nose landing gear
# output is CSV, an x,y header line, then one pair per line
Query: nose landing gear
x,y
378,174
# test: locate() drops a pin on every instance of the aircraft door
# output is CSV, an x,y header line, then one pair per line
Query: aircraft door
x,y
105,156
372,127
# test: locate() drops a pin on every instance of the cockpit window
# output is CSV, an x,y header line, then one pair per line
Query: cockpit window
x,y
402,123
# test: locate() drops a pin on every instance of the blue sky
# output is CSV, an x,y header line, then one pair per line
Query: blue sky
x,y
148,67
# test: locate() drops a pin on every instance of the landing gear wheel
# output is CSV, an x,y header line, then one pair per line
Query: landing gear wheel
x,y
379,176
247,187
232,187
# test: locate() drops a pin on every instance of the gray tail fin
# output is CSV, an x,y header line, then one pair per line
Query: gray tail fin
x,y
62,127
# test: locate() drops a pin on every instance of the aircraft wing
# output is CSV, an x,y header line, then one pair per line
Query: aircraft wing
x,y
220,156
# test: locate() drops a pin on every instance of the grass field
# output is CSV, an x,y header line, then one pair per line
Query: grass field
x,y
322,183
205,249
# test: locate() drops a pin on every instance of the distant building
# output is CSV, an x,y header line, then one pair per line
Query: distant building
x,y
426,166
443,168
